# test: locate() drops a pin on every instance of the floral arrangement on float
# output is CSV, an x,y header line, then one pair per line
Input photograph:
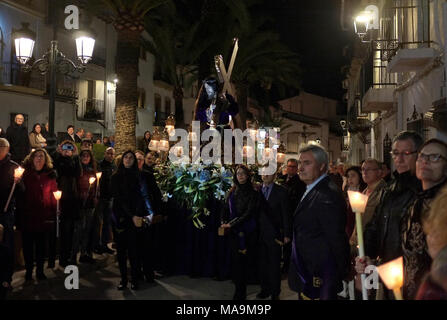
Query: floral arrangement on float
x,y
192,185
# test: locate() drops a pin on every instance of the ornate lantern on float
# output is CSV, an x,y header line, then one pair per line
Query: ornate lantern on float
x,y
281,154
170,125
155,141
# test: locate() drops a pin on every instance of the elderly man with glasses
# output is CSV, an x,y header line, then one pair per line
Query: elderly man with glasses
x,y
382,234
431,170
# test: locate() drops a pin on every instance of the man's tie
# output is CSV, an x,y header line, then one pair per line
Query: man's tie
x,y
265,191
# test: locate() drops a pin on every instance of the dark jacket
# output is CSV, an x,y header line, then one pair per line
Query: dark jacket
x,y
68,171
128,200
6,264
18,141
274,215
320,244
7,167
246,203
105,183
382,235
87,192
417,261
66,136
37,205
295,188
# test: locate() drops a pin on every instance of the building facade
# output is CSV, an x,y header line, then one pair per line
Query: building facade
x,y
85,100
396,78
307,118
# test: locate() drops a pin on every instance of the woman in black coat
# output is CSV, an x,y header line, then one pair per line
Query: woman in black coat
x,y
239,217
136,199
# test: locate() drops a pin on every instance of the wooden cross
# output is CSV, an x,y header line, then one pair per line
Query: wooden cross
x,y
222,74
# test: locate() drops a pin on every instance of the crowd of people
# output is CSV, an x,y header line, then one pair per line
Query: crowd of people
x,y
297,225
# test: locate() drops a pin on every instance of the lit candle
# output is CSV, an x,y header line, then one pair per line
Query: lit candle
x,y
18,172
192,136
98,176
57,196
163,145
179,151
153,145
358,203
280,157
267,151
247,151
392,274
170,130
91,180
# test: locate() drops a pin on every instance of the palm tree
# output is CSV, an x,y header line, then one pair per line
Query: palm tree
x,y
127,17
176,45
263,61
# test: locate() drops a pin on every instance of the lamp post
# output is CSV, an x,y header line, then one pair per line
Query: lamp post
x,y
52,62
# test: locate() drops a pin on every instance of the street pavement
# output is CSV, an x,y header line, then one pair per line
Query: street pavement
x,y
99,282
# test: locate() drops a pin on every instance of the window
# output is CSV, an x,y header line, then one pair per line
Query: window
x,y
141,98
167,105
157,101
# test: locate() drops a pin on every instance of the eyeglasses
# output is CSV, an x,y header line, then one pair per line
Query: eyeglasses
x,y
292,166
395,154
434,157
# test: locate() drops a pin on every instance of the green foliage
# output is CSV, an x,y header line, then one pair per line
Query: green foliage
x,y
98,150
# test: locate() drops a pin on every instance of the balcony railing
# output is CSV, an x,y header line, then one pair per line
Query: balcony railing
x,y
90,110
410,19
12,74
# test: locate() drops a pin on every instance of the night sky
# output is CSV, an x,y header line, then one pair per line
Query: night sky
x,y
312,29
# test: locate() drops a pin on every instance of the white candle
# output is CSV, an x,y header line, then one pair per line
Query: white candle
x,y
358,203
57,196
18,172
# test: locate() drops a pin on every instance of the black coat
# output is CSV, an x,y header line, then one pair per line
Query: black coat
x,y
295,189
105,183
68,172
7,167
127,198
18,141
274,215
66,136
320,238
383,233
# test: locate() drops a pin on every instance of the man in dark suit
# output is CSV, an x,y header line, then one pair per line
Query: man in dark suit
x,y
79,134
320,248
17,136
69,135
295,189
274,231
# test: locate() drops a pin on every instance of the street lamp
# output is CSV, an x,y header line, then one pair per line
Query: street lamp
x,y
366,20
53,61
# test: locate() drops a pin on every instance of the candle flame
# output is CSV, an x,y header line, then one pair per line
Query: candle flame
x,y
91,180
57,194
98,175
18,172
